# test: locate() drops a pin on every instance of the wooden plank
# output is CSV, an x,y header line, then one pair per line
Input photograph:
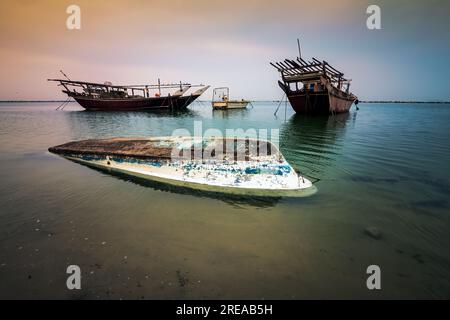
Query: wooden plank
x,y
293,63
305,64
284,68
300,69
292,70
273,65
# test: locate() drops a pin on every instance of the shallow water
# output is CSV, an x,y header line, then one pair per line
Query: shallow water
x,y
385,166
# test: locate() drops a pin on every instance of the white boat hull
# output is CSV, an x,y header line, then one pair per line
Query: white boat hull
x,y
257,172
305,187
230,105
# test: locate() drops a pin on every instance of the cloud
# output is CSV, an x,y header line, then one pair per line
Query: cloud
x,y
223,42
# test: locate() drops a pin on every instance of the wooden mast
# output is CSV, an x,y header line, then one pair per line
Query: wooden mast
x,y
299,49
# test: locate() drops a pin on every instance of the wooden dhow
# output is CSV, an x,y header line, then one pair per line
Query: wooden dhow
x,y
314,87
108,97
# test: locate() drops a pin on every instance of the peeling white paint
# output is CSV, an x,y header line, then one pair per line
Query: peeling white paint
x,y
266,173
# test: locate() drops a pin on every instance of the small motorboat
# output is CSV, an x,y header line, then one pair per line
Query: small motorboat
x,y
221,100
225,165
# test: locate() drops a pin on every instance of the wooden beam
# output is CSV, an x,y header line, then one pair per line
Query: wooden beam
x,y
305,64
285,69
139,86
273,65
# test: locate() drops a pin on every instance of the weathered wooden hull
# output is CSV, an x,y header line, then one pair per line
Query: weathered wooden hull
x,y
319,104
135,104
324,102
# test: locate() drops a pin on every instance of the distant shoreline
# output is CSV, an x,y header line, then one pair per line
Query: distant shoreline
x,y
31,101
431,102
277,101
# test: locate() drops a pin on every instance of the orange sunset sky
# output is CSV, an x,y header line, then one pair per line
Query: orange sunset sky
x,y
224,43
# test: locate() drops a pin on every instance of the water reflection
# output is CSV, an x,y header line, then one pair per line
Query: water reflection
x,y
231,113
92,124
144,113
312,144
399,182
232,199
157,113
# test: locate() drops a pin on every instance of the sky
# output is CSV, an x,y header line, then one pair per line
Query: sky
x,y
225,43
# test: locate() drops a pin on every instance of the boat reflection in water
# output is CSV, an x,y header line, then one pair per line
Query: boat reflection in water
x,y
311,143
230,113
87,124
232,199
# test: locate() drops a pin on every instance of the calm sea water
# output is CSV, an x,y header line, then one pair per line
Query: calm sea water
x,y
384,166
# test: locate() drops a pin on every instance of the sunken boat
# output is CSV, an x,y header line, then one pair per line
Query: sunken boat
x,y
314,87
109,97
221,165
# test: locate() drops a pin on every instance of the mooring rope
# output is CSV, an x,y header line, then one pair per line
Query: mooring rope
x,y
279,104
68,101
185,103
285,109
62,104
